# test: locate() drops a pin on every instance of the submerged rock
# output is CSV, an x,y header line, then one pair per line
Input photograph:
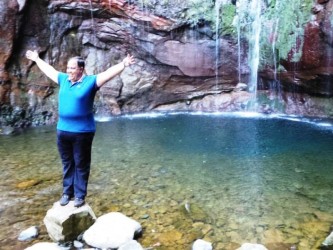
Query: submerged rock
x,y
28,184
195,212
170,237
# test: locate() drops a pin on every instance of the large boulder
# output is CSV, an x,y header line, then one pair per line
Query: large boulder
x,y
111,231
66,223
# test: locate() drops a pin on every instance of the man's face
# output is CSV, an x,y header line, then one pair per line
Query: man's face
x,y
73,71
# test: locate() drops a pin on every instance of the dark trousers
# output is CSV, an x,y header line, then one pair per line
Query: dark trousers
x,y
75,153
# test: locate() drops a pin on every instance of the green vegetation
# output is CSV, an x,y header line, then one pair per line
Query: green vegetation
x,y
284,28
228,16
199,11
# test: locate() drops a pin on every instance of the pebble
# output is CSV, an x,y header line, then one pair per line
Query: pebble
x,y
145,216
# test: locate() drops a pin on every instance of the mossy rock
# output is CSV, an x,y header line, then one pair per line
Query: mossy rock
x,y
28,184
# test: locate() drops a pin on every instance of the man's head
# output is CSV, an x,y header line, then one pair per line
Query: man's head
x,y
75,68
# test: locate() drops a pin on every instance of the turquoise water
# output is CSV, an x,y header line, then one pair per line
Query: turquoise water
x,y
258,179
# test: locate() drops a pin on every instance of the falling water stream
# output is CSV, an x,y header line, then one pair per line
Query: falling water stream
x,y
255,28
275,86
218,51
239,48
249,21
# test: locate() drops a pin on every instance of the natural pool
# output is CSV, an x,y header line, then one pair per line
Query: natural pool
x,y
256,179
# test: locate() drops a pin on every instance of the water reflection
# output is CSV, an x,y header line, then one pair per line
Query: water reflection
x,y
258,179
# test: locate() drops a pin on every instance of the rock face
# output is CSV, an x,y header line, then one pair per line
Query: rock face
x,y
185,54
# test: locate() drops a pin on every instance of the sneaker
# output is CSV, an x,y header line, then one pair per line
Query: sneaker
x,y
64,200
78,202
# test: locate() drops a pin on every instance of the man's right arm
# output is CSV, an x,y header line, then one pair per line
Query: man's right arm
x,y
46,68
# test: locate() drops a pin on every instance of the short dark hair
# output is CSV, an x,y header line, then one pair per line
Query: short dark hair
x,y
80,61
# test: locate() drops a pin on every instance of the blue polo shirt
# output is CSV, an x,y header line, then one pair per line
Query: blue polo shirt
x,y
76,103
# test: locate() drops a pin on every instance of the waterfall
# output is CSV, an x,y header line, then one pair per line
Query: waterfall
x,y
91,14
94,39
329,59
255,28
249,22
217,41
239,49
275,86
274,36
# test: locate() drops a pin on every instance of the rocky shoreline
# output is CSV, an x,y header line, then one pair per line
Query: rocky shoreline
x,y
79,228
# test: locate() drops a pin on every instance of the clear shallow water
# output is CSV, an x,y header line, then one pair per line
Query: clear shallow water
x,y
243,179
